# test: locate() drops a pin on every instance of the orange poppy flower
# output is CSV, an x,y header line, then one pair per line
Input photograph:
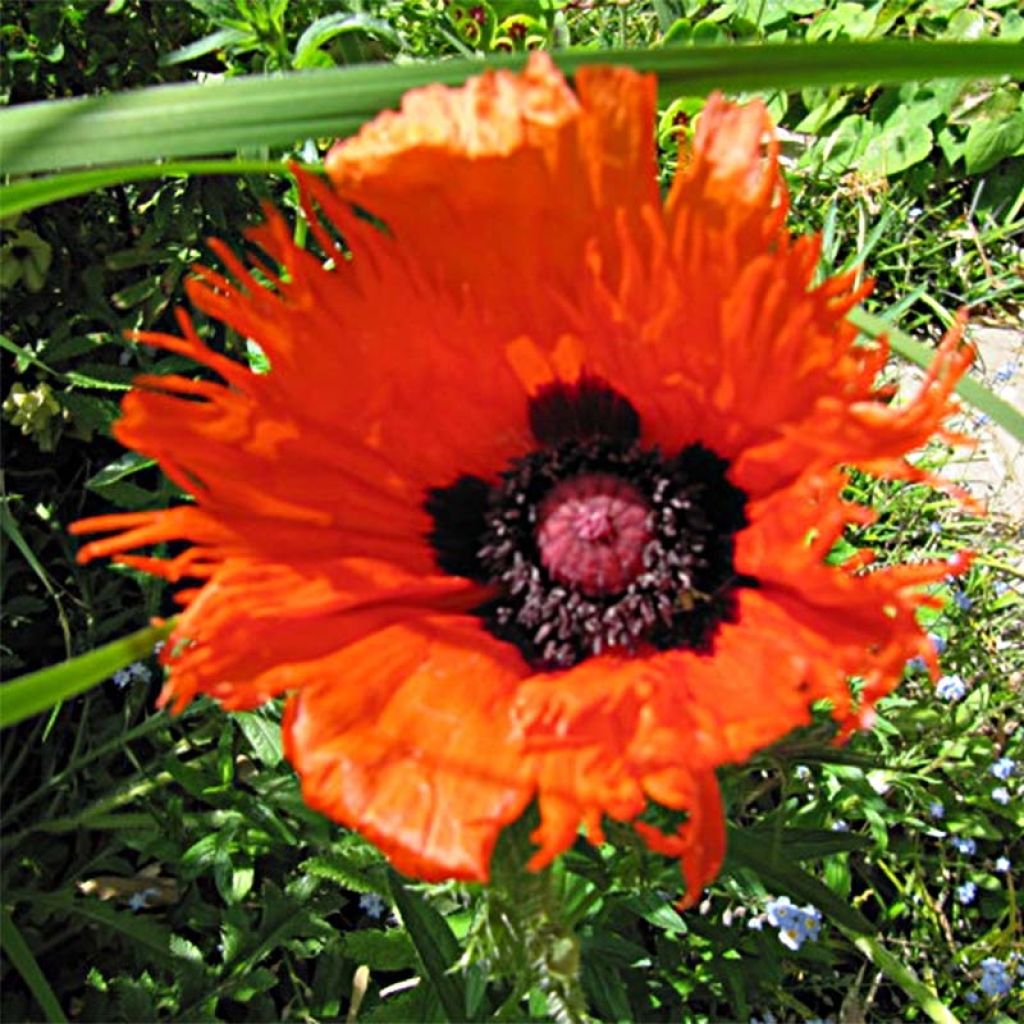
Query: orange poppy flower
x,y
535,501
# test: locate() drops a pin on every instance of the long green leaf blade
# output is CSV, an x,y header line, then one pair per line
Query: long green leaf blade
x,y
894,969
970,390
436,945
18,952
32,192
28,695
211,118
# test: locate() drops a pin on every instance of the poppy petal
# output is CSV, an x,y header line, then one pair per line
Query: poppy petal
x,y
506,185
417,747
257,629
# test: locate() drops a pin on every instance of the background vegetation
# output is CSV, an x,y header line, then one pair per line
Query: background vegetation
x,y
166,868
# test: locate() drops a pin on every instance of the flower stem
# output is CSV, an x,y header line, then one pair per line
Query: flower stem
x,y
531,928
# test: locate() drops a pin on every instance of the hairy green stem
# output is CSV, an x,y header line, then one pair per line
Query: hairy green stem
x,y
531,928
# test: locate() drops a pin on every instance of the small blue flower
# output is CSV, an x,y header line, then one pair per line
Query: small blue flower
x,y
781,911
936,810
795,924
1002,865
1001,795
972,997
757,923
812,921
962,601
1003,768
140,671
135,671
966,893
964,844
801,771
839,825
1005,373
951,688
938,645
995,978
372,904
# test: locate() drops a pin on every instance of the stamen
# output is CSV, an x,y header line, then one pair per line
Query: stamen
x,y
593,543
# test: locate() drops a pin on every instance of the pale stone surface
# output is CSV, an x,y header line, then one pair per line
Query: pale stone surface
x,y
993,471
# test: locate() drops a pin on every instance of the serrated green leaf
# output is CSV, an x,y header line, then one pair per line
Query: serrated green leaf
x,y
263,736
133,1000
185,949
345,871
390,950
436,945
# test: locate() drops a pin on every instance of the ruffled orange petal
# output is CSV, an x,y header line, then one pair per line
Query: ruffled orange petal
x,y
409,738
612,733
521,161
257,629
700,841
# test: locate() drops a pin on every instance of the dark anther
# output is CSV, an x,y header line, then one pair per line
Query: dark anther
x,y
460,519
582,411
592,543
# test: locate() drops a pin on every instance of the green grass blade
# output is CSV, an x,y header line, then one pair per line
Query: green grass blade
x,y
436,945
10,529
16,948
217,118
32,192
37,691
970,390
894,969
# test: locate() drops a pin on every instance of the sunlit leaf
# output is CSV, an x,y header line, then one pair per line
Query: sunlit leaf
x,y
225,116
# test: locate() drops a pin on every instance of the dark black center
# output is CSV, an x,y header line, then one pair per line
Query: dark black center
x,y
592,542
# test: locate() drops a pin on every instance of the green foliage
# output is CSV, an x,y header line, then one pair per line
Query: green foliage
x,y
160,867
